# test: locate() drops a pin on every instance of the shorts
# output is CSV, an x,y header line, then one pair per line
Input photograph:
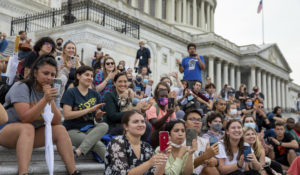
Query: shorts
x,y
282,160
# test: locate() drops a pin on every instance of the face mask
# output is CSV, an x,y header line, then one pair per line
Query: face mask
x,y
233,111
59,44
249,103
99,49
216,127
251,125
190,97
146,81
176,145
130,79
139,79
255,90
163,101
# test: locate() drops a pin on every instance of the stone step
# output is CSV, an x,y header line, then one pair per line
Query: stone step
x,y
38,154
59,169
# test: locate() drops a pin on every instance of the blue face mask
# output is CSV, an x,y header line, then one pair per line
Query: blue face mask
x,y
139,79
190,97
146,81
249,103
251,125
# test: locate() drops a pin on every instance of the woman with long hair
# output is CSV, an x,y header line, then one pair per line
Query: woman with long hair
x,y
81,110
26,101
104,79
128,154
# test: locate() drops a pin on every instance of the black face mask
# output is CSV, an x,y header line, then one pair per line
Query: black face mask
x,y
99,49
59,44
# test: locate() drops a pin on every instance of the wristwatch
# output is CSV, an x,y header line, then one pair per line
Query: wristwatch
x,y
280,143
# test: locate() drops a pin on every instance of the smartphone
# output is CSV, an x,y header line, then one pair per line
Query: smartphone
x,y
57,85
59,61
247,150
171,103
192,55
73,60
163,140
191,134
213,140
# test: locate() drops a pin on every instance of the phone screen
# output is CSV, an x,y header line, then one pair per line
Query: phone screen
x,y
163,140
213,140
170,103
247,150
57,85
191,134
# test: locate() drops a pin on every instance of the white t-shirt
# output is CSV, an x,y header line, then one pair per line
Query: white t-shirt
x,y
222,155
202,143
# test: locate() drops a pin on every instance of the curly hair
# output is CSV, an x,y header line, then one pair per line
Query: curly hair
x,y
39,44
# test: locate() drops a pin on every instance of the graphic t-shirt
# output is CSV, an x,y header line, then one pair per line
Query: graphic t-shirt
x,y
78,102
191,67
280,150
19,92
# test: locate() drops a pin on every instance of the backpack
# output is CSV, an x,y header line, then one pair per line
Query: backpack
x,y
4,88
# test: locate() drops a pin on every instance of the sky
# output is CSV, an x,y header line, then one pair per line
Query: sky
x,y
238,21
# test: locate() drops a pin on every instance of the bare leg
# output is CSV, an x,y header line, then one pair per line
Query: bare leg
x,y
21,137
291,156
210,171
63,143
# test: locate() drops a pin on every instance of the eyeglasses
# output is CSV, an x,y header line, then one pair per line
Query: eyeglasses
x,y
222,104
176,119
110,63
261,107
195,119
47,43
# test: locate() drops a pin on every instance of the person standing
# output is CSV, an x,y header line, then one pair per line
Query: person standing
x,y
3,44
144,57
192,66
59,43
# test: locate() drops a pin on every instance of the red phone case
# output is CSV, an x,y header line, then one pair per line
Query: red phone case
x,y
163,140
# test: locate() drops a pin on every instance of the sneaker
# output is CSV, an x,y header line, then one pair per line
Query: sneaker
x,y
76,172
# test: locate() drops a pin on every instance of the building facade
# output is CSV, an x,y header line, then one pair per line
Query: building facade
x,y
167,26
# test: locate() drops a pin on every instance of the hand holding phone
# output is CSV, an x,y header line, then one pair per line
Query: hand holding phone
x,y
57,85
171,102
163,140
247,150
213,140
191,134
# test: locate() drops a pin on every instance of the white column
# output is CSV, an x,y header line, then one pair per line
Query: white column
x,y
170,11
195,13
238,78
158,9
218,77
287,95
274,96
188,12
199,15
147,6
202,11
278,92
134,3
283,97
184,12
178,12
258,79
211,68
208,17
263,89
269,92
212,20
225,73
252,84
232,80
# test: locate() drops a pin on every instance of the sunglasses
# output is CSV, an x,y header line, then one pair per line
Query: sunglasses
x,y
47,43
110,63
195,119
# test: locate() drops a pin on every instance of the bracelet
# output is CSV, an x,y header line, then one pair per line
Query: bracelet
x,y
237,164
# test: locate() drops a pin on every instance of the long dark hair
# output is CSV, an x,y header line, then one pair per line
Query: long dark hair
x,y
80,71
227,145
45,59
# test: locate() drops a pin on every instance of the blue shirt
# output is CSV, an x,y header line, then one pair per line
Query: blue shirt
x,y
191,67
3,45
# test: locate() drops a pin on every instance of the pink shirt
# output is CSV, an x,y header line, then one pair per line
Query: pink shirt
x,y
151,113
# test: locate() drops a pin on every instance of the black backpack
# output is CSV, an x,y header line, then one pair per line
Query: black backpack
x,y
4,88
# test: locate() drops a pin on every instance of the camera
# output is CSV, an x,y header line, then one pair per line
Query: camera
x,y
136,70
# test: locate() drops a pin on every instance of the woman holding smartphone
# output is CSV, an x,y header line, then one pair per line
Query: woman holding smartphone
x,y
128,154
180,160
81,109
25,130
104,79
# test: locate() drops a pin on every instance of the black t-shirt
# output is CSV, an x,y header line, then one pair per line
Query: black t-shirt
x,y
280,150
261,95
30,58
143,56
78,102
261,122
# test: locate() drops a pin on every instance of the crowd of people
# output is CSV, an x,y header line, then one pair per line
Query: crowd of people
x,y
118,113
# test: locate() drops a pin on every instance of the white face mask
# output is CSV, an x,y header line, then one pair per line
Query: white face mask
x,y
176,145
233,111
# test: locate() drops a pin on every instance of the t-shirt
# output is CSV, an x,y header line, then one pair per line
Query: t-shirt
x,y
191,67
272,121
30,58
201,143
280,150
152,113
3,45
19,92
143,56
222,155
139,87
293,133
78,102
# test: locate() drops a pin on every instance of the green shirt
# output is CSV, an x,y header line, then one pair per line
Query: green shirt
x,y
293,133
